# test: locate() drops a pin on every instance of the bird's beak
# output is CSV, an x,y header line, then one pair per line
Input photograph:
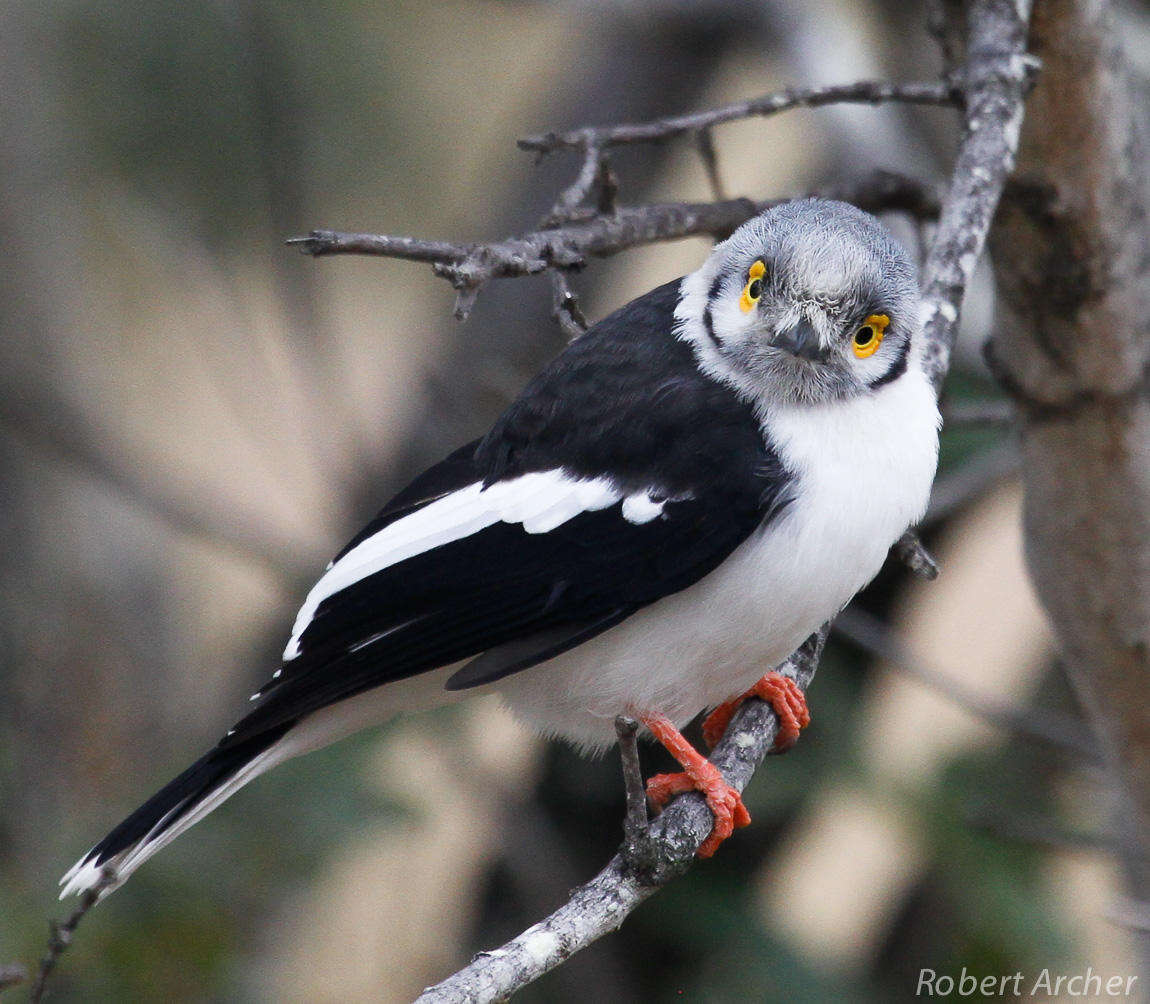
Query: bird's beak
x,y
800,340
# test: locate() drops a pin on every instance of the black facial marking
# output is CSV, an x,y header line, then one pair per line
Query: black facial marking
x,y
708,322
897,368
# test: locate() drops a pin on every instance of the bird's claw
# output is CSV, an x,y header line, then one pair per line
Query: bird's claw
x,y
782,694
725,803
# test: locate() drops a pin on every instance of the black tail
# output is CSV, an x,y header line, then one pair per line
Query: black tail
x,y
170,811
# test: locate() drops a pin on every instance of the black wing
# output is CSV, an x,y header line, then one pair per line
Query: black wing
x,y
625,402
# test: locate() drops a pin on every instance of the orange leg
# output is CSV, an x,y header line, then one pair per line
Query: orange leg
x,y
699,774
782,694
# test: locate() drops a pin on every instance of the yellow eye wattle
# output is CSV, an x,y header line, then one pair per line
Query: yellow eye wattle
x,y
754,287
869,336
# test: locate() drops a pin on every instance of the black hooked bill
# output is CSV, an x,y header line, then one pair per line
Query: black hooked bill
x,y
800,340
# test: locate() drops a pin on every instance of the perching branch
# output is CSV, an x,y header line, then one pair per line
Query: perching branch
x,y
636,872
469,266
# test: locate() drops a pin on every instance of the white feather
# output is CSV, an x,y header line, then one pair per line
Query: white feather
x,y
539,501
863,472
641,508
316,731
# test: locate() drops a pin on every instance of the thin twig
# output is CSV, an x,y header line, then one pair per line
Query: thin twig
x,y
705,143
321,242
912,552
978,413
60,936
572,197
1062,732
608,187
635,822
996,77
565,307
870,92
959,487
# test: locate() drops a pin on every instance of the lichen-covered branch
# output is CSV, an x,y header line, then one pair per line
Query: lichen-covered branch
x,y
996,75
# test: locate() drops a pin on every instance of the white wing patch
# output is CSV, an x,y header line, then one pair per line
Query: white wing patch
x,y
540,502
642,508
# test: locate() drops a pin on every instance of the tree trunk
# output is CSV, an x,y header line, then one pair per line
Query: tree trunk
x,y
1072,257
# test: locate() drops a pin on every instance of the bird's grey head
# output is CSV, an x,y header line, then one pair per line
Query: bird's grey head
x,y
812,301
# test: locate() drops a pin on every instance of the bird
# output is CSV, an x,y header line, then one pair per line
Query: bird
x,y
666,511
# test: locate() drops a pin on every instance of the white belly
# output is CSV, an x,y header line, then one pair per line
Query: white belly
x,y
863,472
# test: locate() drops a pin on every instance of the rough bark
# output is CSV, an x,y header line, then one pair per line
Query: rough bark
x,y
1072,257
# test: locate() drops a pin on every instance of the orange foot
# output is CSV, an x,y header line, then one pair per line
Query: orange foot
x,y
782,694
699,774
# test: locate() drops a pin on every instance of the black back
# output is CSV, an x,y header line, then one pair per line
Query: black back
x,y
625,401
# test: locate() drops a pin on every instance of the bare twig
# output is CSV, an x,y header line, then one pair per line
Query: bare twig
x,y
959,487
565,306
601,905
600,235
608,186
60,936
469,266
978,413
572,197
705,143
1064,733
635,822
913,553
870,92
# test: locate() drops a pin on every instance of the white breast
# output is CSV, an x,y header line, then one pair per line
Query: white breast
x,y
863,470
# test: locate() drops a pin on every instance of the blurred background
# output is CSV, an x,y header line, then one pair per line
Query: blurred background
x,y
193,419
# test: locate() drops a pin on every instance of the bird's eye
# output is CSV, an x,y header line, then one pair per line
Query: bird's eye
x,y
868,337
754,287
